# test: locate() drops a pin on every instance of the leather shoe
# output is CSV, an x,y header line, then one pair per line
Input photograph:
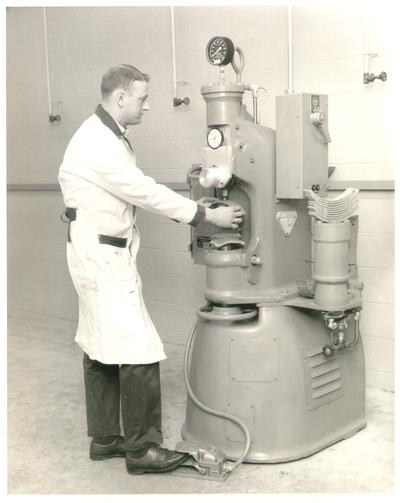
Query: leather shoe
x,y
156,460
116,449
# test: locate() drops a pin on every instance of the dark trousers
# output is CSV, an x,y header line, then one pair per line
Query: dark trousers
x,y
137,388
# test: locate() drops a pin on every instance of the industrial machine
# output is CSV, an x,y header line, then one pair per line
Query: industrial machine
x,y
276,359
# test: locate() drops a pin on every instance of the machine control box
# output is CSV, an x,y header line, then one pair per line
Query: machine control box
x,y
302,139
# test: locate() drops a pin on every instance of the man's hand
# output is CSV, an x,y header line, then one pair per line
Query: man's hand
x,y
222,214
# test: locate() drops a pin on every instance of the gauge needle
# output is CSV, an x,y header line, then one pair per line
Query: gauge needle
x,y
215,52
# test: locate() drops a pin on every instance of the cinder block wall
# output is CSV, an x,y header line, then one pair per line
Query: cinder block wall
x,y
83,42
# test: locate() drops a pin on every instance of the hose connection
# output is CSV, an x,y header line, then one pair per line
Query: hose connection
x,y
337,322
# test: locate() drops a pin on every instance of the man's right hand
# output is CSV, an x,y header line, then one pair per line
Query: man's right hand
x,y
228,216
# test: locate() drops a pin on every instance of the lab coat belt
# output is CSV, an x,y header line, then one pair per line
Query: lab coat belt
x,y
69,215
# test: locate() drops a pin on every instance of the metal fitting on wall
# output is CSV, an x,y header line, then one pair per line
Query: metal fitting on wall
x,y
370,77
179,101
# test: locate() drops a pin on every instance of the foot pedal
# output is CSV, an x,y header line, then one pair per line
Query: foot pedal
x,y
204,463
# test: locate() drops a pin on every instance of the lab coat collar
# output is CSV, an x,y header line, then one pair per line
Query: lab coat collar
x,y
108,121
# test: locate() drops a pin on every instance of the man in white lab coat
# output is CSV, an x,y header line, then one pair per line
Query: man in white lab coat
x,y
101,186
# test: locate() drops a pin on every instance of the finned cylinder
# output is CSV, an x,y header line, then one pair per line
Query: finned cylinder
x,y
331,267
223,101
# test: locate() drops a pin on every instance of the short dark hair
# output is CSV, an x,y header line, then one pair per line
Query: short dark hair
x,y
121,77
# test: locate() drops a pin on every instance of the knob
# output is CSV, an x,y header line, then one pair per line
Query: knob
x,y
319,121
328,350
256,260
317,118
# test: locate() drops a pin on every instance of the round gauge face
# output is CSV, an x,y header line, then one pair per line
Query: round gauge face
x,y
220,51
215,138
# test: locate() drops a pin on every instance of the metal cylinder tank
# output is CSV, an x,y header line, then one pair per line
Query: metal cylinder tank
x,y
331,267
223,101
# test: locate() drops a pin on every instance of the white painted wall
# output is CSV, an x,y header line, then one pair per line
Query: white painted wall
x,y
84,41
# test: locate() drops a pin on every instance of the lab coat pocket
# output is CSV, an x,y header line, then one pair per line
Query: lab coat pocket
x,y
83,274
119,289
123,330
117,266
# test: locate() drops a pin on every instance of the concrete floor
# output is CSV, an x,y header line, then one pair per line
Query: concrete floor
x,y
48,446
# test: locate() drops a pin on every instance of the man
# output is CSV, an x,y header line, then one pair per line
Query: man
x,y
102,186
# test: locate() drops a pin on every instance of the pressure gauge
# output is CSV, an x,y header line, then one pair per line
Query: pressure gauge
x,y
220,51
215,138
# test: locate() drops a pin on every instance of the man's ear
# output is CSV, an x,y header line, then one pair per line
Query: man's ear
x,y
120,98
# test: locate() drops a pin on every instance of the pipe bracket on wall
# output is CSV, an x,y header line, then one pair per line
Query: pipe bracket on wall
x,y
54,118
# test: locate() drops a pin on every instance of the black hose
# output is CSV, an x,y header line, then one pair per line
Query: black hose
x,y
208,410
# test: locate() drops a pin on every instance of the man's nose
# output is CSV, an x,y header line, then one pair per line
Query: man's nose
x,y
146,105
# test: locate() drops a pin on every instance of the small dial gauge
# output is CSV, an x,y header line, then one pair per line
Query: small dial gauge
x,y
215,138
220,51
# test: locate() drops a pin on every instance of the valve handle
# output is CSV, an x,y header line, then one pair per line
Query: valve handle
x,y
180,101
370,77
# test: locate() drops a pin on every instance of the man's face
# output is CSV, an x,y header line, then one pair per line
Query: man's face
x,y
135,103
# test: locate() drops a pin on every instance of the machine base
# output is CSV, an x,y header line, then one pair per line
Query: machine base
x,y
260,458
270,372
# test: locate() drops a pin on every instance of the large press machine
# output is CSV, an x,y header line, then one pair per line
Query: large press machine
x,y
276,360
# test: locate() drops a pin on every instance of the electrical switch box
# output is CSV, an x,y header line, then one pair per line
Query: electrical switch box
x,y
302,139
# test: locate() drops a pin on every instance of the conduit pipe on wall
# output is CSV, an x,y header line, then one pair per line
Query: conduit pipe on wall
x,y
366,54
290,51
176,101
46,56
173,49
367,76
52,117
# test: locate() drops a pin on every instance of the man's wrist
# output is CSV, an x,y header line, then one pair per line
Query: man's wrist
x,y
200,216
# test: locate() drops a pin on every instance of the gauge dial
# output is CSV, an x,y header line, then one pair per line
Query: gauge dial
x,y
215,138
220,51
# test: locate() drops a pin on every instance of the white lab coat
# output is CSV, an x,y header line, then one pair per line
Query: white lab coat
x,y
99,178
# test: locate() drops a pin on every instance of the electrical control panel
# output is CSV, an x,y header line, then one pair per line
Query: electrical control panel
x,y
302,139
